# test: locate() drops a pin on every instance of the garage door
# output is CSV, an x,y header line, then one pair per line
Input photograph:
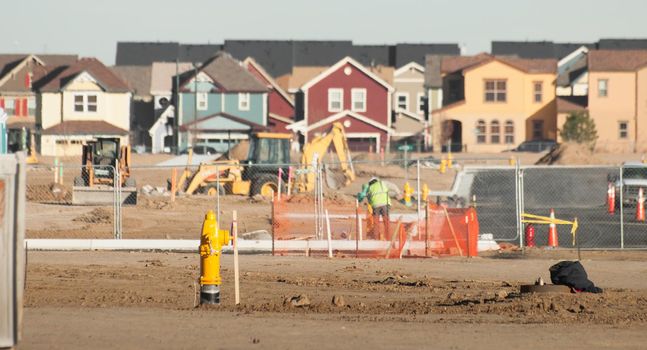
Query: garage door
x,y
362,144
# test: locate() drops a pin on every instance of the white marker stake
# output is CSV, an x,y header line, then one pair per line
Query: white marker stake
x,y
234,228
329,238
279,182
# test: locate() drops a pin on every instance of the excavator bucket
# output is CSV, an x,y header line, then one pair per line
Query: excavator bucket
x,y
102,195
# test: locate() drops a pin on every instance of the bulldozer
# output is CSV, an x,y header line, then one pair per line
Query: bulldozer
x,y
95,186
258,174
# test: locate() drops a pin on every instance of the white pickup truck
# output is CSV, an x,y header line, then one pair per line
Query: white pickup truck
x,y
634,176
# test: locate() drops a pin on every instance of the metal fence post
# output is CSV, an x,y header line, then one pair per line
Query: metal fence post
x,y
217,199
519,194
418,188
115,205
622,215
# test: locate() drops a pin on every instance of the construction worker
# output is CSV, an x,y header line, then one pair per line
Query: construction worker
x,y
377,194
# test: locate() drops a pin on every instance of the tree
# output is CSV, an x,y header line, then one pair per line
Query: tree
x,y
579,128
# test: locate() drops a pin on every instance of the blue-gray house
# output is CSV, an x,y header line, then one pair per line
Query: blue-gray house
x,y
220,103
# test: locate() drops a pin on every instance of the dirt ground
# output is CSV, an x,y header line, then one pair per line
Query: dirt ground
x,y
81,300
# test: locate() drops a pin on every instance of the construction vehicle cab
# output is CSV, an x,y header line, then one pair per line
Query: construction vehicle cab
x,y
267,153
100,159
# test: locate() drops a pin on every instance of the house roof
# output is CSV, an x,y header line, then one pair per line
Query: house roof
x,y
532,65
407,52
84,127
145,53
571,73
251,125
266,77
298,77
348,60
162,74
616,60
433,77
108,80
567,104
138,78
340,115
535,49
406,67
229,74
622,44
44,65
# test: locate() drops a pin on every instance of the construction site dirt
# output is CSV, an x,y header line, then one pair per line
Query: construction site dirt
x,y
80,300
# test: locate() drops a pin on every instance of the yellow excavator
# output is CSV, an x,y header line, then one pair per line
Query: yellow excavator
x,y
313,154
258,174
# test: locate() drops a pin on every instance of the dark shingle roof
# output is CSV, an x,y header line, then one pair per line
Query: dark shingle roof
x,y
138,78
145,53
433,76
535,49
275,55
616,60
229,74
84,127
104,76
372,55
567,104
536,65
405,53
622,44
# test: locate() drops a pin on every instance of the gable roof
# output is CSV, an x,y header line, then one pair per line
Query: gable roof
x,y
251,126
616,60
341,63
535,49
163,73
84,127
345,113
534,65
249,61
407,52
406,67
106,78
227,73
299,76
138,78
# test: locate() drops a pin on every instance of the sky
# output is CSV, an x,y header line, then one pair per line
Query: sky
x,y
93,28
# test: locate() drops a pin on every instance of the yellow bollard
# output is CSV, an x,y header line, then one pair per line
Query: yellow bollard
x,y
449,160
211,243
425,193
408,191
512,161
443,166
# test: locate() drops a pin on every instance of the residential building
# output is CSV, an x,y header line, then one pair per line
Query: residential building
x,y
142,115
617,99
492,103
83,101
220,103
411,109
280,105
351,94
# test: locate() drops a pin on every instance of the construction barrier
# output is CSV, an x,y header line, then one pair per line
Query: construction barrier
x,y
438,231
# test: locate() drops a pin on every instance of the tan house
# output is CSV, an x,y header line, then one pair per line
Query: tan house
x,y
84,101
493,103
618,99
410,104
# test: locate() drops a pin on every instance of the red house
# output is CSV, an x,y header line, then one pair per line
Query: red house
x,y
351,94
280,104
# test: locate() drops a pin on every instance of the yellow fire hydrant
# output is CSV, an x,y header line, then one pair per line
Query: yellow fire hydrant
x,y
211,242
408,191
425,193
443,166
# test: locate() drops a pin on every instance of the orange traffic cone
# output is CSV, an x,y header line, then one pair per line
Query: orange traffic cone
x,y
552,232
640,206
611,199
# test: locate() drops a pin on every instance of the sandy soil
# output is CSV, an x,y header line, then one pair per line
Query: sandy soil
x,y
146,300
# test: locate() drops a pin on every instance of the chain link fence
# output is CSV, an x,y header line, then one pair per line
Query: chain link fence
x,y
170,202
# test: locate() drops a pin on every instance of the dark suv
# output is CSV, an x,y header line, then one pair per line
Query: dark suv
x,y
535,146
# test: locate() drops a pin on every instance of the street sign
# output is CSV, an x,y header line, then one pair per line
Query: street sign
x,y
405,147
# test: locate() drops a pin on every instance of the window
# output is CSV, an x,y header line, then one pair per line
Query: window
x,y
403,101
480,131
85,103
509,132
243,101
623,128
495,91
537,129
421,103
202,101
603,87
358,97
335,100
495,132
537,91
31,105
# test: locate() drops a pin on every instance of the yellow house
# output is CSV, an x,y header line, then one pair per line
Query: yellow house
x,y
618,99
493,103
84,101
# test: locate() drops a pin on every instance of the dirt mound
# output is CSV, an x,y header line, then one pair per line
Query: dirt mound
x,y
569,154
154,203
375,169
239,151
329,198
96,216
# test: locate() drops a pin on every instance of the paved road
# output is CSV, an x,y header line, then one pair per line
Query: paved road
x,y
574,192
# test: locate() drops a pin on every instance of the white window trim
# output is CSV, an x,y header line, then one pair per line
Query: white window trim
x,y
420,96
606,87
406,101
86,103
202,96
244,96
353,100
341,99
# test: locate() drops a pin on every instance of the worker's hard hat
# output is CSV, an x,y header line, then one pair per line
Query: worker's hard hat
x,y
373,179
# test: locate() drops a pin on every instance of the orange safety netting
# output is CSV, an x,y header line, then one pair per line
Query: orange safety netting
x,y
297,228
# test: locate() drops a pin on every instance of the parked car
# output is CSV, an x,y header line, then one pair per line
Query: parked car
x,y
634,177
200,149
535,146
